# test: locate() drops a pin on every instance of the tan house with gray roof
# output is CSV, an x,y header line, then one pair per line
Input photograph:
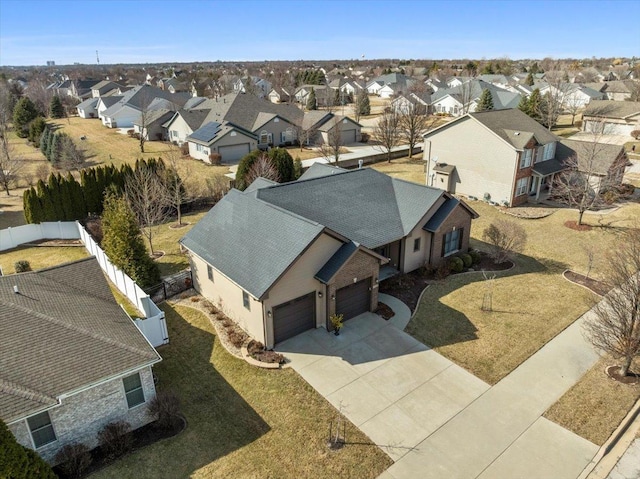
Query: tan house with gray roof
x,y
71,359
610,117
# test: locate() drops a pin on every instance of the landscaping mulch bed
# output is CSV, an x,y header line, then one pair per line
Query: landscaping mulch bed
x,y
575,226
385,311
591,284
528,212
408,287
614,373
140,438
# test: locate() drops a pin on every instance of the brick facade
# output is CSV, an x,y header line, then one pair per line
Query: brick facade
x,y
80,417
359,267
460,218
523,173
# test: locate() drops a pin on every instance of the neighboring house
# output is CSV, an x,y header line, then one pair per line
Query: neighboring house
x,y
602,164
71,359
103,88
183,123
230,141
252,84
386,86
279,95
88,108
106,102
408,102
374,86
345,85
350,131
579,96
153,120
129,107
611,117
323,94
463,98
81,89
502,156
619,90
281,259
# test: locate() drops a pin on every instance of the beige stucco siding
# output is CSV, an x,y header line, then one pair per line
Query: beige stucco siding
x,y
415,259
484,162
178,130
299,280
227,296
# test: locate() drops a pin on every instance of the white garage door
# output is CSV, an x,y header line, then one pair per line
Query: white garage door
x,y
233,153
348,137
617,129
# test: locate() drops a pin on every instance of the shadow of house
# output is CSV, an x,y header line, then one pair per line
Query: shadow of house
x,y
219,419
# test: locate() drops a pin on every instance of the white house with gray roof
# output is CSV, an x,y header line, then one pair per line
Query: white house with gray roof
x,y
280,259
71,359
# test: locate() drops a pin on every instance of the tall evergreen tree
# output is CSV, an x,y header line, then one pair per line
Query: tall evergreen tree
x,y
485,102
35,130
23,114
312,103
529,80
18,462
363,104
44,140
56,196
123,243
283,162
56,108
78,206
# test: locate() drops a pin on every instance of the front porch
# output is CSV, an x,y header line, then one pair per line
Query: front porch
x,y
542,178
387,271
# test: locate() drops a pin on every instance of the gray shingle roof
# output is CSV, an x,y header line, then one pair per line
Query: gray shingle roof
x,y
317,170
612,109
505,123
193,118
62,332
340,257
259,183
88,103
593,157
439,216
363,205
249,241
213,131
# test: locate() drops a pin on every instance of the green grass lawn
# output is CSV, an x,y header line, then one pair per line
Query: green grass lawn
x,y
243,422
532,303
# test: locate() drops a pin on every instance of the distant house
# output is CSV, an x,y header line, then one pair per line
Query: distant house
x,y
620,90
88,108
150,126
386,86
103,88
183,123
71,360
502,156
350,130
611,117
279,95
252,84
601,163
407,102
282,258
579,96
463,98
229,141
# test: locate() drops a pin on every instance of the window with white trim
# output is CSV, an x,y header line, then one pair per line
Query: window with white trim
x,y
549,150
133,390
525,158
521,186
265,137
452,242
199,147
245,300
41,429
210,273
539,154
416,244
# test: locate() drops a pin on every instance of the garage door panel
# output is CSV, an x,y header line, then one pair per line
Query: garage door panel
x,y
348,136
233,153
294,317
354,299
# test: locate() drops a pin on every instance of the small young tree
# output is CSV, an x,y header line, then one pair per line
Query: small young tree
x,y
297,168
312,102
176,180
11,164
23,114
485,102
71,157
330,148
387,132
123,243
506,238
529,80
615,325
147,196
362,105
56,108
263,167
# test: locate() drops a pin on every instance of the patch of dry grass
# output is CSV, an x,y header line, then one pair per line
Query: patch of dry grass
x,y
403,168
243,421
531,303
40,256
594,407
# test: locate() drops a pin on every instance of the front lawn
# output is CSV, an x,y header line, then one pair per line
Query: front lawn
x,y
243,422
531,303
594,407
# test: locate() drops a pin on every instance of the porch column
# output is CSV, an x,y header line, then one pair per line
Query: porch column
x,y
550,183
538,188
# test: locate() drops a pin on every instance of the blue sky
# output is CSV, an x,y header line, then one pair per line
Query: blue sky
x,y
32,32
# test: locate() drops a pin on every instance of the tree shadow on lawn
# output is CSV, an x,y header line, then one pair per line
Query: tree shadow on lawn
x,y
437,324
219,420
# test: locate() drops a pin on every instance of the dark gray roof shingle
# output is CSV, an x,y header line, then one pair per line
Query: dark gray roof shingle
x,y
340,257
506,123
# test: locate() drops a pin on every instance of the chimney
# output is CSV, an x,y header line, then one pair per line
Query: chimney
x,y
15,289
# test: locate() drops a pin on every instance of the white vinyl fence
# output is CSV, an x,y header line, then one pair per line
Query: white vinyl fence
x,y
13,237
154,326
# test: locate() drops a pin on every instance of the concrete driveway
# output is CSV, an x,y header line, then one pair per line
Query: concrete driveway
x,y
436,420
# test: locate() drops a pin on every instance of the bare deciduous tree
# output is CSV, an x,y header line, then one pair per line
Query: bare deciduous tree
x,y
615,325
413,123
388,133
263,167
581,184
506,239
147,196
10,163
176,181
572,104
332,147
305,132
